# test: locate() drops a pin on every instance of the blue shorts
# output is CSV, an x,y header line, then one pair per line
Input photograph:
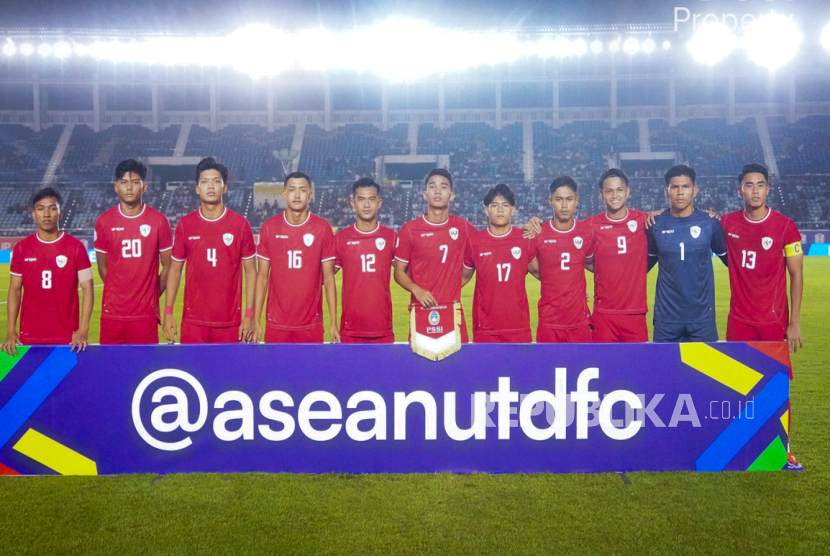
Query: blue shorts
x,y
685,332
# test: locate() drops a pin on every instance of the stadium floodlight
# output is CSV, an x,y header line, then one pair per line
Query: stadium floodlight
x,y
631,46
596,47
44,50
666,45
825,37
255,50
81,50
712,43
63,50
579,47
27,49
772,41
614,46
648,46
9,49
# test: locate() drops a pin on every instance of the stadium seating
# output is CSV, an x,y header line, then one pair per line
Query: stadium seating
x,y
477,150
24,153
802,147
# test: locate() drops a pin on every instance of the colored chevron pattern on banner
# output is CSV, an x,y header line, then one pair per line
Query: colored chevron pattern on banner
x,y
719,366
54,455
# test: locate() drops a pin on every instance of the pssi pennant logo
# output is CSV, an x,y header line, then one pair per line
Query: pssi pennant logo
x,y
228,239
145,230
695,230
434,318
578,242
516,252
308,239
454,233
380,243
766,243
632,225
61,260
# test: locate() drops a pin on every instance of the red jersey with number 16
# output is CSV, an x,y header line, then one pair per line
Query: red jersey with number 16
x,y
132,245
214,250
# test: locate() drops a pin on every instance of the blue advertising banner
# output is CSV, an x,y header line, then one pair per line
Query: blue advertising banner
x,y
381,409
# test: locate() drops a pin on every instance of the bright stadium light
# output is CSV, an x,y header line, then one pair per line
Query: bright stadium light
x,y
44,50
81,49
256,49
825,37
631,46
772,41
596,47
579,47
666,45
614,46
27,49
63,50
712,43
648,46
9,49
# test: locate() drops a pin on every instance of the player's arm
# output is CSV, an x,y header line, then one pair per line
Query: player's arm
x,y
533,269
423,297
795,267
718,243
165,258
262,275
652,217
589,265
101,261
331,299
174,278
80,338
467,275
468,266
652,249
532,227
12,311
246,329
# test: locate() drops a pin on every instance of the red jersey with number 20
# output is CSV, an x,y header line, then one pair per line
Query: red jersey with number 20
x,y
296,254
366,261
49,313
214,250
562,256
132,245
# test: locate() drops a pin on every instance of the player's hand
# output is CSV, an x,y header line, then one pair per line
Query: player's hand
x,y
168,328
533,227
80,339
712,214
257,333
11,342
652,216
424,297
794,337
334,334
246,330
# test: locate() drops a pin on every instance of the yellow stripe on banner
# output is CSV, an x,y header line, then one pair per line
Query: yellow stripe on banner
x,y
785,420
720,367
54,455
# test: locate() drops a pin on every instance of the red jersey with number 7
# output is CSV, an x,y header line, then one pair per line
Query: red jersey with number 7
x,y
214,251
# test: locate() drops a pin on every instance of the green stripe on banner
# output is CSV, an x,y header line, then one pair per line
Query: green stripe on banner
x,y
771,459
7,362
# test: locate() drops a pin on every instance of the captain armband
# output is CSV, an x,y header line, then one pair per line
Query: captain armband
x,y
793,249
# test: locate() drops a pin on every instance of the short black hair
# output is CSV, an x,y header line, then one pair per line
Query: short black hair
x,y
210,163
438,172
45,193
680,170
753,169
503,190
564,181
297,176
612,173
131,166
365,182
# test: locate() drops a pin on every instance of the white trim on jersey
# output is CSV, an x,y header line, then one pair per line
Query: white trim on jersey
x,y
104,252
402,260
14,273
143,208
552,227
262,257
424,216
769,212
49,242
366,233
160,250
178,260
303,223
248,258
501,236
326,260
623,219
218,218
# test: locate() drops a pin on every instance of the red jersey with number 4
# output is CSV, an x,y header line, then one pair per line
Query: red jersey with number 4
x,y
500,298
366,261
562,256
132,245
214,250
296,254
435,255
620,263
49,313
757,267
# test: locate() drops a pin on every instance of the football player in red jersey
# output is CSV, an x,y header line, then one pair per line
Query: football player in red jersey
x,y
620,265
562,250
499,255
296,262
365,252
46,269
763,246
429,259
217,243
131,239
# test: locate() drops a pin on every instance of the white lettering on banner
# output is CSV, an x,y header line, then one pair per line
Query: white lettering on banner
x,y
319,415
683,14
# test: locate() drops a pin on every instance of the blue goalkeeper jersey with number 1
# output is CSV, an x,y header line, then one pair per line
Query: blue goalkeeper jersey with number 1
x,y
683,248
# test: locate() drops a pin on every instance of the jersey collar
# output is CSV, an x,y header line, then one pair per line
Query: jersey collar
x,y
224,212
623,219
769,211
303,223
434,224
366,233
510,231
143,207
552,227
60,237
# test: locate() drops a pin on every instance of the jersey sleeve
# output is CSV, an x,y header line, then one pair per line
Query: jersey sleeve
x,y
403,251
718,243
82,261
16,268
652,243
327,250
262,249
248,248
338,263
792,240
532,251
100,241
394,240
592,243
469,261
179,250
165,235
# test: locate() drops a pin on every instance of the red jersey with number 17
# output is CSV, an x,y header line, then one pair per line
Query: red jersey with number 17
x,y
620,263
132,245
366,261
435,255
214,250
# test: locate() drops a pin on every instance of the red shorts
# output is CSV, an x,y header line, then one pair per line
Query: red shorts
x,y
617,327
523,337
129,331
196,334
573,335
304,336
737,331
346,339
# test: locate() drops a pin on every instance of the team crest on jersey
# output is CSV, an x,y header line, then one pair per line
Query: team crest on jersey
x,y
380,243
308,239
632,225
145,230
228,239
61,260
766,243
434,318
695,230
454,233
516,252
578,242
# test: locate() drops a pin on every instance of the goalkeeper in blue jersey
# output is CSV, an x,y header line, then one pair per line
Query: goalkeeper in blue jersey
x,y
683,241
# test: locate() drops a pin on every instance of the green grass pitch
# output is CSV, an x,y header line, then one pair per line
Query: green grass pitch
x,y
658,513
